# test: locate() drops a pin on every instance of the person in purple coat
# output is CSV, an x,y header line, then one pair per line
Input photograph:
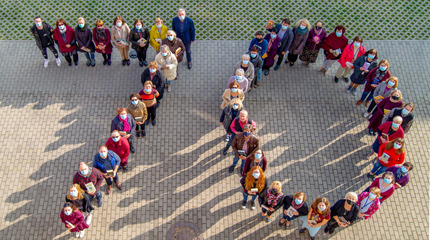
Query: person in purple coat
x,y
272,50
313,44
401,174
384,107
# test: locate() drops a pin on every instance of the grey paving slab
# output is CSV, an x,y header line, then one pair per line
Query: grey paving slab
x,y
311,131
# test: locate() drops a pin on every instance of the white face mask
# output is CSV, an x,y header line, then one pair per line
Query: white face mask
x,y
68,212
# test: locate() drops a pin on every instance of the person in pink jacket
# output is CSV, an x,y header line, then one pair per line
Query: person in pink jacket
x,y
368,202
349,55
73,220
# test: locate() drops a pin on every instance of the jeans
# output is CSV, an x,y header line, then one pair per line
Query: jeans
x,y
230,141
89,56
288,218
245,197
376,145
368,94
98,196
52,48
257,77
236,159
141,128
109,180
378,168
188,51
312,230
280,58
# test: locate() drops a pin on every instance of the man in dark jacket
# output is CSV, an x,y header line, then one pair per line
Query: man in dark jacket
x,y
42,33
244,145
184,28
286,34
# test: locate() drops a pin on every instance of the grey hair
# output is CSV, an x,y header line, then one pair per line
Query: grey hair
x,y
398,119
246,56
352,195
181,10
171,32
244,112
164,48
240,71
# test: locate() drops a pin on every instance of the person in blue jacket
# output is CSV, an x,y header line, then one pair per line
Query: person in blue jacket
x,y
285,33
184,28
106,160
260,43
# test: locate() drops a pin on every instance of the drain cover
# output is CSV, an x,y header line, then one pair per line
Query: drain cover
x,y
184,231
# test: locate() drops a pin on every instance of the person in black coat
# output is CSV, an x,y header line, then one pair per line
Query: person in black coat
x,y
84,39
78,198
272,201
286,34
42,33
343,213
293,207
125,124
158,79
139,38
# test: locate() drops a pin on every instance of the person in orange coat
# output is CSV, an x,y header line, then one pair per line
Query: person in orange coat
x,y
390,154
120,146
349,55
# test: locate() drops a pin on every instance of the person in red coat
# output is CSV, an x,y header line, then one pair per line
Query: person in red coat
x,y
385,184
333,46
387,132
390,154
373,79
73,219
350,53
64,36
101,37
384,107
120,146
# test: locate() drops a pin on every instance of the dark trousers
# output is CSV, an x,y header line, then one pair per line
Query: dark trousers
x,y
280,58
331,225
141,128
141,55
230,141
188,51
68,58
152,112
372,106
269,213
109,180
53,50
98,195
292,57
106,56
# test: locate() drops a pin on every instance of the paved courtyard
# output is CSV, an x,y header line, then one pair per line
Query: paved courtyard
x,y
311,132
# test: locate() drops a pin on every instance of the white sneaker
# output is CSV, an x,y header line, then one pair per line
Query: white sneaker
x,y
58,61
45,63
227,138
77,234
82,233
366,114
88,219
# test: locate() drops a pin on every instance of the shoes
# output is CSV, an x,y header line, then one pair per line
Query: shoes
x,y
77,234
88,62
276,67
257,85
348,89
227,138
138,134
169,88
266,72
287,225
367,175
367,103
145,63
268,219
370,154
45,63
354,92
321,69
58,61
359,102
252,205
70,64
132,150
124,169
123,62
82,233
302,230
109,62
303,63
312,238
105,62
128,62
336,79
88,219
243,204
109,189
118,185
262,216
76,64
99,203
291,64
326,229
147,122
366,114
346,79
143,133
154,122
370,131
190,65
141,64
224,151
281,223
331,231
231,168
326,73
93,62
286,61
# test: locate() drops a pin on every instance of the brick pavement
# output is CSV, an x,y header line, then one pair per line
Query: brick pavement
x,y
312,135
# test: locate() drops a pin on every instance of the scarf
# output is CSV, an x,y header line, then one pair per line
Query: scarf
x,y
101,34
83,29
126,125
317,32
295,206
379,74
302,31
272,200
62,31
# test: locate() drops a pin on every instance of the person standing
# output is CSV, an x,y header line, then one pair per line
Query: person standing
x,y
77,197
258,159
257,62
401,174
139,38
157,34
405,113
236,127
119,35
108,163
42,33
229,113
168,64
153,74
125,124
254,184
120,146
184,28
313,44
272,201
362,66
260,43
240,79
343,213
347,58
286,35
73,220
368,202
247,67
301,33
101,37
148,95
318,215
84,39
294,206
272,50
89,177
64,36
244,145
390,154
175,45
137,109
333,46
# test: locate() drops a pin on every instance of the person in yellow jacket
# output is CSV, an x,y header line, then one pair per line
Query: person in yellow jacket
x,y
157,34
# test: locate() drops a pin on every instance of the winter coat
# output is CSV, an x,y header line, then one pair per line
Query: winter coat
x,y
189,33
272,51
169,62
358,76
84,38
119,125
226,97
119,33
70,39
174,45
135,36
249,73
106,42
76,219
334,42
298,43
348,54
154,34
286,40
48,31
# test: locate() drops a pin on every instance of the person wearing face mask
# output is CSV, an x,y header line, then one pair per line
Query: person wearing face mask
x,y
258,159
368,203
229,113
125,124
153,74
78,198
245,142
362,66
285,33
387,132
139,38
383,90
401,174
106,160
88,176
84,39
301,33
343,213
184,28
137,109
240,79
148,95
313,44
254,184
231,93
157,34
257,62
101,37
373,78
349,54
236,127
260,43
272,201
65,38
384,107
121,147
175,45
385,184
294,206
247,67
169,65
73,220
333,46
318,215
42,33
272,50
390,154
120,38
405,113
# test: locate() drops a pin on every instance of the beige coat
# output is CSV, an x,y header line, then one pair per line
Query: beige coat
x,y
170,61
226,97
119,33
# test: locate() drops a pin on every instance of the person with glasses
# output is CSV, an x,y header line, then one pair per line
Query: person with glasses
x,y
120,146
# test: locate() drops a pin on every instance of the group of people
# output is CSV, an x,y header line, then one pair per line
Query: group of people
x,y
129,122
390,120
